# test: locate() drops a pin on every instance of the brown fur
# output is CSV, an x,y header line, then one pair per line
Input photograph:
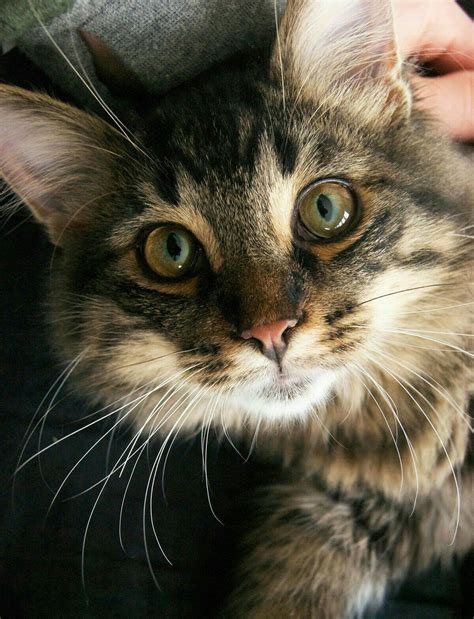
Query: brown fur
x,y
370,429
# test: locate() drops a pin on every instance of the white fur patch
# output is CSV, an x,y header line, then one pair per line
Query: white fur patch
x,y
369,595
271,400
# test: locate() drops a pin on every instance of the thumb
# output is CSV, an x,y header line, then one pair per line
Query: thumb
x,y
449,98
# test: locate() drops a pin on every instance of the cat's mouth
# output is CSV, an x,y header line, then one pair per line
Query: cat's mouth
x,y
286,395
285,387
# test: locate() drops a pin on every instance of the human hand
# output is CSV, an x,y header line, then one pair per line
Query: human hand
x,y
439,33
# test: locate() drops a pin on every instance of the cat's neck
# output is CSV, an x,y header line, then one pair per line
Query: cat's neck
x,y
394,447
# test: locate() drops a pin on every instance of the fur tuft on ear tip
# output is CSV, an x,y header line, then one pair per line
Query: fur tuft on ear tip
x,y
54,157
343,52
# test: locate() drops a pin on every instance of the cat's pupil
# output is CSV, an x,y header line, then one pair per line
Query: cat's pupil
x,y
324,205
173,247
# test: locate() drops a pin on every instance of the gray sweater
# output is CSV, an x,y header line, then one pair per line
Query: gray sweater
x,y
163,41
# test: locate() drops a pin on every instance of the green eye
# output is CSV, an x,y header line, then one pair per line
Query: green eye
x,y
170,251
327,209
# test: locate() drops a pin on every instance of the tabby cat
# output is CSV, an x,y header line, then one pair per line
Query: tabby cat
x,y
284,241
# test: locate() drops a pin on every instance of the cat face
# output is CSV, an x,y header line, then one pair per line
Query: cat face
x,y
266,237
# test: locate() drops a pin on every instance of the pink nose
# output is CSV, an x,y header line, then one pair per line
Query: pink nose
x,y
270,336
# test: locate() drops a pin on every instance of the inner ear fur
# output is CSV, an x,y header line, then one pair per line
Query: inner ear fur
x,y
59,160
345,53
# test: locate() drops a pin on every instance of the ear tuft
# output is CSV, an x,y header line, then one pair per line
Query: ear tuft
x,y
343,51
59,160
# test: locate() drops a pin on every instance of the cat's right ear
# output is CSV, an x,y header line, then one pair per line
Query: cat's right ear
x,y
343,52
59,160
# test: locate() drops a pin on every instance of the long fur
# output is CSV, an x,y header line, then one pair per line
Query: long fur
x,y
370,426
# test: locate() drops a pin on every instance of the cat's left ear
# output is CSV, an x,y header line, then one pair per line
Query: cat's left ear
x,y
59,160
343,52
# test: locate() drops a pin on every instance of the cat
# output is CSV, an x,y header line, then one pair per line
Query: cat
x,y
283,240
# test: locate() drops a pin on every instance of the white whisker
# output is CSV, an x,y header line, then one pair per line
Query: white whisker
x,y
443,447
62,379
434,385
409,333
122,130
393,409
280,57
386,423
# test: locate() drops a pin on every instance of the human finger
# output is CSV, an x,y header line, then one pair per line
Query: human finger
x,y
449,98
436,31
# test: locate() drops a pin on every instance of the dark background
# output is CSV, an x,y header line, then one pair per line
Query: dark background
x,y
40,550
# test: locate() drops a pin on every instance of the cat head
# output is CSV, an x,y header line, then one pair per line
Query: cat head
x,y
269,238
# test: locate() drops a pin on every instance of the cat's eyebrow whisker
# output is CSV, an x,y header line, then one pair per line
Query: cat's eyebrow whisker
x,y
105,150
417,404
269,114
354,374
321,105
128,133
121,129
298,98
393,409
280,56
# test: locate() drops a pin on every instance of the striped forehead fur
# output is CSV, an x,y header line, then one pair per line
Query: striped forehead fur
x,y
226,157
341,359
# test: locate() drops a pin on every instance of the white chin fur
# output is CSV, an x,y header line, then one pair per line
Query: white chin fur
x,y
273,403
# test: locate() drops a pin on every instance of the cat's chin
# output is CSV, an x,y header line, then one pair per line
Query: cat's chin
x,y
285,398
